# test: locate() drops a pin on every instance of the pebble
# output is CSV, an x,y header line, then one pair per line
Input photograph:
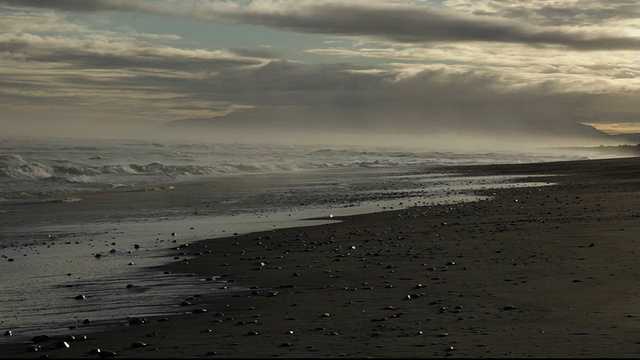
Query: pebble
x,y
62,345
34,348
8,333
40,338
137,321
80,297
509,307
138,344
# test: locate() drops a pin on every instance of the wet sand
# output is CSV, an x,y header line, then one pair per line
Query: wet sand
x,y
551,271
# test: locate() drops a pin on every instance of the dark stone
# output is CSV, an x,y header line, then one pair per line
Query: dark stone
x,y
138,345
80,297
137,321
8,333
40,338
62,345
86,321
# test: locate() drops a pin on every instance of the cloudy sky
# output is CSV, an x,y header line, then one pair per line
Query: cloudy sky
x,y
402,66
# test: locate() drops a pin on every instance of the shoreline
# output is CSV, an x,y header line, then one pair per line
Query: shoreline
x,y
491,278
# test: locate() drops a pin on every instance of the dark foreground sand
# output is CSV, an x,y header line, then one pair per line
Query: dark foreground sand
x,y
536,272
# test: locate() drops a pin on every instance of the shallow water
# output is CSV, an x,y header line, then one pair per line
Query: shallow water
x,y
56,262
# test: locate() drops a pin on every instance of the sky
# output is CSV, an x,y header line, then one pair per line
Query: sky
x,y
430,67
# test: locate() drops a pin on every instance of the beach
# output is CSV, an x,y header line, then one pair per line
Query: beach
x,y
548,271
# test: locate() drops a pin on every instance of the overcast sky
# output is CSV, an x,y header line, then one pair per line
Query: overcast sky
x,y
400,65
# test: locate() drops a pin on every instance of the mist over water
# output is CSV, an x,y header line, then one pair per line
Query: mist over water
x,y
60,168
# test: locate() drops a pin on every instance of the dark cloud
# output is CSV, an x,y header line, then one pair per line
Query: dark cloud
x,y
79,5
94,54
401,23
330,97
426,24
592,12
259,91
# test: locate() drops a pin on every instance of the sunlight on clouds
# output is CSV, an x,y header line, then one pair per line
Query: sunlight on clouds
x,y
617,128
39,22
426,64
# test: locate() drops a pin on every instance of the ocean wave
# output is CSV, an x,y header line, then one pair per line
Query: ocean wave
x,y
92,170
72,179
81,148
159,168
350,153
15,167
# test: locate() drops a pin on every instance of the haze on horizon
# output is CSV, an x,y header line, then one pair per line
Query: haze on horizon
x,y
479,73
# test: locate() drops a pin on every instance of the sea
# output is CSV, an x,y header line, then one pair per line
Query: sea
x,y
85,223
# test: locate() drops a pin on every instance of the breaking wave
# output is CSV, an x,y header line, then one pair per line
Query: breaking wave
x,y
38,168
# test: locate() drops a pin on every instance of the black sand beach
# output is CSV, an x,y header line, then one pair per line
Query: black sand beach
x,y
535,272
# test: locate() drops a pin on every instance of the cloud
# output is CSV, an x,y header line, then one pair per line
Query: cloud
x,y
551,12
104,52
43,21
168,82
477,74
324,97
406,22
